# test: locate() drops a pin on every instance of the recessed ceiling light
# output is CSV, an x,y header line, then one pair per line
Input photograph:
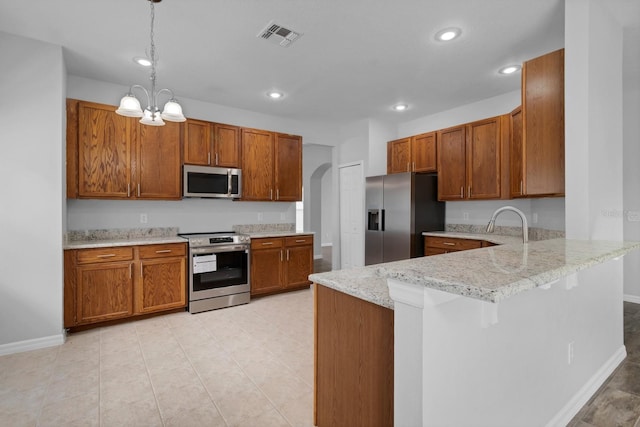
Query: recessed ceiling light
x,y
142,61
400,107
509,69
274,94
448,34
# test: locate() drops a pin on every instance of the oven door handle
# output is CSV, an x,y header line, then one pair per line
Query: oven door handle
x,y
218,249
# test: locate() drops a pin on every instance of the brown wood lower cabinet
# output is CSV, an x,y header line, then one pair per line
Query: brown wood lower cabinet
x,y
281,263
436,245
353,361
118,282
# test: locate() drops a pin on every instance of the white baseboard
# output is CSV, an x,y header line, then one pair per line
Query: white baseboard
x,y
632,298
34,344
566,414
317,256
327,244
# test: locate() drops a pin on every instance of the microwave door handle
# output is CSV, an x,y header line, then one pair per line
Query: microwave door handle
x,y
228,182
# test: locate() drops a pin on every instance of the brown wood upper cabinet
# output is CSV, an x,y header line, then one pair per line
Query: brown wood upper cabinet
x,y
470,160
537,147
114,157
211,144
271,166
413,154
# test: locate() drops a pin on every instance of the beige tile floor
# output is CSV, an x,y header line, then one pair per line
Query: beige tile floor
x,y
250,365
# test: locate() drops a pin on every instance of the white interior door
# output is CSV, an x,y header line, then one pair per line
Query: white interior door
x,y
351,189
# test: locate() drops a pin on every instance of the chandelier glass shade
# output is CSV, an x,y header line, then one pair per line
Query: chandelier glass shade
x,y
130,105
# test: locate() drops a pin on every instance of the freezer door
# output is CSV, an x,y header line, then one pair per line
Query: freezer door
x,y
375,224
397,212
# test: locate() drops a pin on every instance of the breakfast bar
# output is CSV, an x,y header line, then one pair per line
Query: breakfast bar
x,y
514,334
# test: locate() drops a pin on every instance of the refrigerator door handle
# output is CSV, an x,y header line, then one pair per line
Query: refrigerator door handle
x,y
381,219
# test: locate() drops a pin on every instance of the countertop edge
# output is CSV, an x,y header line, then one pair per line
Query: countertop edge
x,y
106,243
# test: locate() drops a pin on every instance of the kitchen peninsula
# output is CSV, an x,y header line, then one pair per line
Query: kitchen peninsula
x,y
515,334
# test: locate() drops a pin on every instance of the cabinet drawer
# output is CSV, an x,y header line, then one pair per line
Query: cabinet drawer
x,y
299,240
87,256
428,251
267,243
452,243
161,251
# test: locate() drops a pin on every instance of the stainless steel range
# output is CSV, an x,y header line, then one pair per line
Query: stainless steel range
x,y
218,270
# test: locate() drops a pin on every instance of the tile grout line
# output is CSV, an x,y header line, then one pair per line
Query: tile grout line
x,y
198,374
49,382
146,368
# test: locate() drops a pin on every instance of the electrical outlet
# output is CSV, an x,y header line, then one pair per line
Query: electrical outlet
x,y
633,216
465,216
143,218
570,353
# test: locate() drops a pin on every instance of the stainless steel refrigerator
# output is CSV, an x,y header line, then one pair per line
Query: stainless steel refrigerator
x,y
399,208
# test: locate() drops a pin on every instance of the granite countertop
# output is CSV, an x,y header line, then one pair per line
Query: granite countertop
x,y
498,239
129,241
490,274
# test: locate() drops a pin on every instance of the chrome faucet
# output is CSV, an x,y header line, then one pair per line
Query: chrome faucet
x,y
525,226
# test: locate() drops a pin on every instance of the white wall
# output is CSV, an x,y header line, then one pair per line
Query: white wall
x,y
317,160
593,127
327,208
379,134
631,149
31,213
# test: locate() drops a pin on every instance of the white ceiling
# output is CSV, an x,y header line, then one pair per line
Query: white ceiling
x,y
356,58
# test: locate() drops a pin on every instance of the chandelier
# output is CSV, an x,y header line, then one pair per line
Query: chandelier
x,y
130,105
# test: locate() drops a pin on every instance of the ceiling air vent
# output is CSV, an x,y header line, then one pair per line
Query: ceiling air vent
x,y
278,34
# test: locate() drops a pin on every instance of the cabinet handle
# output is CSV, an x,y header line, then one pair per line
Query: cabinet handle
x,y
216,159
281,256
138,189
106,256
408,166
448,243
461,192
164,251
128,189
277,194
469,192
287,254
521,192
300,241
209,158
414,166
267,243
141,273
271,194
130,271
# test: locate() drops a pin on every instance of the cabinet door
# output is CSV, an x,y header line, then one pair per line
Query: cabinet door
x,y
516,153
104,152
423,152
257,165
483,157
197,143
288,168
226,146
158,161
162,284
451,163
543,124
399,156
298,266
266,270
104,291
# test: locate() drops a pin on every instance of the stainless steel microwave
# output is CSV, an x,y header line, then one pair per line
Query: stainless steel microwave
x,y
211,182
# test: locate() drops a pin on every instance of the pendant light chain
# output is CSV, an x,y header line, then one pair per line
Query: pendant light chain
x,y
130,105
153,56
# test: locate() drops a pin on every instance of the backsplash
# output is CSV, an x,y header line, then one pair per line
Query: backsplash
x,y
119,233
534,233
260,228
